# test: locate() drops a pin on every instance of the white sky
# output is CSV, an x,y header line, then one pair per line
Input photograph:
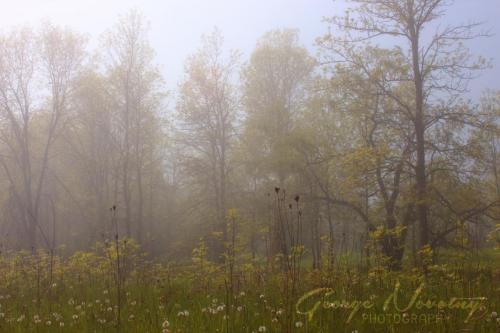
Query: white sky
x,y
177,25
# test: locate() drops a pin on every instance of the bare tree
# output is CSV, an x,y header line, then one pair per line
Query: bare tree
x,y
52,58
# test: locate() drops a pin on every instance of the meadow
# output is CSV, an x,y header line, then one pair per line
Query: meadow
x,y
116,288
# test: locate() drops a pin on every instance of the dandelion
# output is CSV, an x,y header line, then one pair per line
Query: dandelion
x,y
262,296
109,309
262,329
57,316
75,317
165,324
299,324
274,320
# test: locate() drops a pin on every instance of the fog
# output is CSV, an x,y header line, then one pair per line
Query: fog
x,y
154,120
249,166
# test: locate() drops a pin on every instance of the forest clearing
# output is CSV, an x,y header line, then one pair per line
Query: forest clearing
x,y
305,166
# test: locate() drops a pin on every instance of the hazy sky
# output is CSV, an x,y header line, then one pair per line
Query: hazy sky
x,y
177,25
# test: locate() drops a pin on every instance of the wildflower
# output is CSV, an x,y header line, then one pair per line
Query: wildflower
x,y
261,296
239,308
279,312
165,324
57,316
75,317
48,323
274,320
242,294
54,285
299,324
109,309
262,329
71,301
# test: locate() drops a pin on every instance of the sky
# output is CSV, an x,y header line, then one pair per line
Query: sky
x,y
176,26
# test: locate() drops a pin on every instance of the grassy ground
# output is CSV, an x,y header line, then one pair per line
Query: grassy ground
x,y
44,293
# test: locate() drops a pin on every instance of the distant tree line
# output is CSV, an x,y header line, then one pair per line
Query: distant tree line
x,y
374,139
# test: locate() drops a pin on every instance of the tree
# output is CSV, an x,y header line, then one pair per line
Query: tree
x,y
438,68
274,93
208,105
135,87
54,56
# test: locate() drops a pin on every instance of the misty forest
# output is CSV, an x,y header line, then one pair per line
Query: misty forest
x,y
352,187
